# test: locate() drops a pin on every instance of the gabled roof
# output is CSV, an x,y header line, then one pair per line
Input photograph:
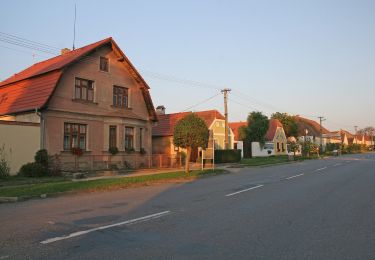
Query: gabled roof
x,y
312,126
347,133
273,125
31,88
235,126
167,122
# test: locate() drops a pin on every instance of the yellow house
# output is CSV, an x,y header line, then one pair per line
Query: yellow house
x,y
276,141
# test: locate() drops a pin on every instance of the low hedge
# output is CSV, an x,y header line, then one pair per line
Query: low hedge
x,y
227,156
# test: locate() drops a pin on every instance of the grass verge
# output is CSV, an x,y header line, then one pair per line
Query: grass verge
x,y
37,189
262,161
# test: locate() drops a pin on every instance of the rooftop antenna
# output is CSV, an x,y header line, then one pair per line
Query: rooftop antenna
x,y
75,18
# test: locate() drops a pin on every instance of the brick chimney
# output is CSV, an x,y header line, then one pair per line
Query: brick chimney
x,y
160,110
64,51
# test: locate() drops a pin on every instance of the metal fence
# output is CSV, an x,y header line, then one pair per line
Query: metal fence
x,y
69,162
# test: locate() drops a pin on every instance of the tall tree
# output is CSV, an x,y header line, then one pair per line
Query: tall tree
x,y
190,133
289,124
257,126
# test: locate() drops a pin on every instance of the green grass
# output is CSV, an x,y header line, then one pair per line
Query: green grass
x,y
259,161
37,189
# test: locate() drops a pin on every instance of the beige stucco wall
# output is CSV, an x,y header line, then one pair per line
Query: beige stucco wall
x,y
88,68
21,142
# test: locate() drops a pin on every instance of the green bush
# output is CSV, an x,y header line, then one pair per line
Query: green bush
x,y
227,156
113,150
44,165
333,146
42,158
33,169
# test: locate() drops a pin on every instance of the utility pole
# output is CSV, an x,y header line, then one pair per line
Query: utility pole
x,y
321,119
355,133
225,92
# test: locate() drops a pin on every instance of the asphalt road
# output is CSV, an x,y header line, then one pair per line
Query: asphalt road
x,y
321,209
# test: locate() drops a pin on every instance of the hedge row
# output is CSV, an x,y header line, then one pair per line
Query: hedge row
x,y
227,156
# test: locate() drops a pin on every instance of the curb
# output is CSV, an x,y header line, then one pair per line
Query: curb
x,y
9,199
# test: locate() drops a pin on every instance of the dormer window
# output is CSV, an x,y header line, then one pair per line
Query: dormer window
x,y
104,64
84,89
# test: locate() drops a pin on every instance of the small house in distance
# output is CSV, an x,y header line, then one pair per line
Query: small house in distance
x,y
162,132
276,141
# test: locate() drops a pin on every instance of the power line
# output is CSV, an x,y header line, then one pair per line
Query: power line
x,y
21,51
189,82
200,103
10,36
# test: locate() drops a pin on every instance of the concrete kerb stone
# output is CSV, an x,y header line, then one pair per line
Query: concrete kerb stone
x,y
8,199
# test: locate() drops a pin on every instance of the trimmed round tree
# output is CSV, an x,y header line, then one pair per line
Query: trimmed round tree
x,y
190,133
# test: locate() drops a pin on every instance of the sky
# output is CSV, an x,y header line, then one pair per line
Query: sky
x,y
311,58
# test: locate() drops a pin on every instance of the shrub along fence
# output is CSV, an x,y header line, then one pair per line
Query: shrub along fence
x,y
227,156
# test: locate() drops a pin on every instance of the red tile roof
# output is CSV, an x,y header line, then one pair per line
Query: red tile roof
x,y
55,63
32,87
312,126
235,126
166,124
28,94
273,125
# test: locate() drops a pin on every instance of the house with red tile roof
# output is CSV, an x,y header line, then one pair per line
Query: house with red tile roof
x,y
162,132
276,141
90,98
309,130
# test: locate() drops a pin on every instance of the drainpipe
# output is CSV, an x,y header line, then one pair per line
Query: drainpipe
x,y
42,127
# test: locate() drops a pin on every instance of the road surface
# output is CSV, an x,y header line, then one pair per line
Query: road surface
x,y
319,209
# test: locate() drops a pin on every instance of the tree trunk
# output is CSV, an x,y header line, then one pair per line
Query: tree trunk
x,y
188,152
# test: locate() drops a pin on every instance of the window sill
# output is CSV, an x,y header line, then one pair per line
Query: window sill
x,y
70,152
84,101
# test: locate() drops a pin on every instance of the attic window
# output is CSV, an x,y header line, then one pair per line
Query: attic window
x,y
104,64
84,89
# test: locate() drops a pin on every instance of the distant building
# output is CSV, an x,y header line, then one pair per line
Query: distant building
x,y
276,141
162,132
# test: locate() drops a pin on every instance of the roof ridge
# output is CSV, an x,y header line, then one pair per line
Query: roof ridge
x,y
45,68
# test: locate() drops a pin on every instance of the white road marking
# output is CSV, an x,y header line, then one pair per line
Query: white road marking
x,y
128,222
252,188
321,169
294,176
4,257
348,161
337,164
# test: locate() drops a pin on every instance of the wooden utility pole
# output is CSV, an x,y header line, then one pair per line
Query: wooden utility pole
x,y
321,119
355,133
225,91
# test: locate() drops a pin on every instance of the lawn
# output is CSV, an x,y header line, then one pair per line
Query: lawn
x,y
259,161
51,187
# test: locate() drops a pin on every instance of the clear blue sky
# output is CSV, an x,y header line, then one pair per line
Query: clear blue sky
x,y
302,57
